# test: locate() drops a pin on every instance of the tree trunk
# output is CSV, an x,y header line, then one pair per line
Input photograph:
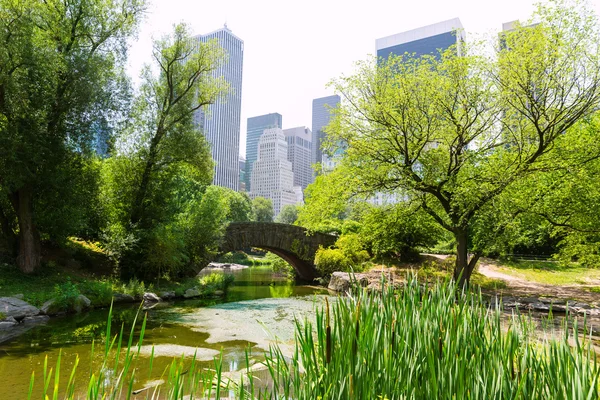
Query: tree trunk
x,y
138,203
464,267
30,254
7,232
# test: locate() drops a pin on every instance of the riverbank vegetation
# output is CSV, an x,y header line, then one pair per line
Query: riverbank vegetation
x,y
427,340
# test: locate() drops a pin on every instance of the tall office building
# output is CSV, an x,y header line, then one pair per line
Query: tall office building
x,y
428,39
299,142
272,175
321,115
220,121
255,128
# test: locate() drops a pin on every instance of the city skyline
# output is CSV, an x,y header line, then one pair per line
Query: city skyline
x,y
287,65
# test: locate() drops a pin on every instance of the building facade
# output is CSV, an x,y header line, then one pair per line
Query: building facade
x,y
321,115
220,121
255,128
299,141
272,175
430,39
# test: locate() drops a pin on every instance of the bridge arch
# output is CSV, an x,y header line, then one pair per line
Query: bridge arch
x,y
293,243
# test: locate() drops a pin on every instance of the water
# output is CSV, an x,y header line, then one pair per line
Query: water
x,y
258,310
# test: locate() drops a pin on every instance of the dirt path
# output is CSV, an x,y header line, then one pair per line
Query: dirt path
x,y
522,287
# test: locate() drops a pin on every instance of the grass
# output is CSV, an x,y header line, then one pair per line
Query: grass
x,y
421,343
551,273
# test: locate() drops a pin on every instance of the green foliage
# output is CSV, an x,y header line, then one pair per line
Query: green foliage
x,y
453,133
280,266
348,255
65,295
288,214
398,230
100,292
75,52
262,209
216,281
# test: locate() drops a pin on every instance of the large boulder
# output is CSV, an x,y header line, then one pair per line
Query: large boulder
x,y
167,295
343,281
150,297
51,307
17,308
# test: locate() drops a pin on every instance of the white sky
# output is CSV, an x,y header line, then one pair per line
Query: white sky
x,y
293,49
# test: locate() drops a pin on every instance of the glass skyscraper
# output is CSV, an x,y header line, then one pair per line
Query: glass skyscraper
x,y
428,39
255,128
220,122
321,115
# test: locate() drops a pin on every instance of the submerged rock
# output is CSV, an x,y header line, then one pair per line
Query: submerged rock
x,y
176,350
37,319
17,308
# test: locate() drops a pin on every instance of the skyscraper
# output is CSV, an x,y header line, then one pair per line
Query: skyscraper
x,y
255,128
299,142
321,115
272,175
220,121
428,39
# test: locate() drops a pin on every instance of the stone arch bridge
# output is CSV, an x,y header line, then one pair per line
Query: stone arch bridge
x,y
294,244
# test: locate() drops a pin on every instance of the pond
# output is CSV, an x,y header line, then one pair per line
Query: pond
x,y
257,311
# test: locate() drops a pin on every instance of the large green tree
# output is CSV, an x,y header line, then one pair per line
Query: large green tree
x,y
156,183
455,132
61,62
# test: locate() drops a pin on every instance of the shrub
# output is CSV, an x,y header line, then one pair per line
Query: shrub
x,y
65,295
100,293
328,261
280,266
216,281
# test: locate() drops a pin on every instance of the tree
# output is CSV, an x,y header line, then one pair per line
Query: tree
x,y
60,62
455,132
162,215
262,209
288,214
166,106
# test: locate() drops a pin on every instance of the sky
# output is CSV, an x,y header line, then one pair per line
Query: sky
x,y
293,49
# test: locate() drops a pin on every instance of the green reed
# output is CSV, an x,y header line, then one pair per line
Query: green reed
x,y
417,343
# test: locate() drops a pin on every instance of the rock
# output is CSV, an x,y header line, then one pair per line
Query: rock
x,y
150,297
539,306
17,308
219,293
342,281
192,292
79,304
123,298
19,296
8,324
167,295
37,319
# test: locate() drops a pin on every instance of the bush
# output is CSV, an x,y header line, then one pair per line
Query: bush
x,y
329,261
65,295
100,293
216,281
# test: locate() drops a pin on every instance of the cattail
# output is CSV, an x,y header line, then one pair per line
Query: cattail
x,y
327,336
